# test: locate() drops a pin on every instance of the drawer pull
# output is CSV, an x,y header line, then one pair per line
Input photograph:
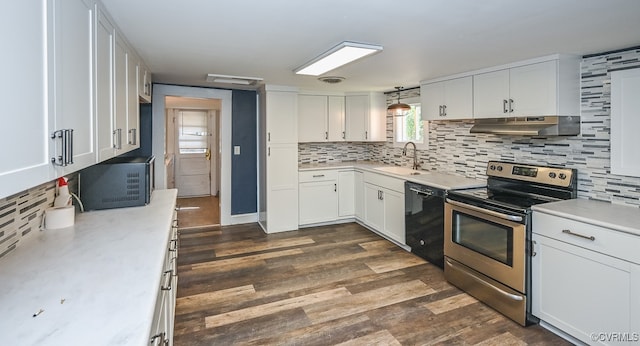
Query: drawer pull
x,y
589,237
318,175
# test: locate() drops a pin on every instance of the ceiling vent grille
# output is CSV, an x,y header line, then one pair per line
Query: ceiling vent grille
x,y
331,79
226,79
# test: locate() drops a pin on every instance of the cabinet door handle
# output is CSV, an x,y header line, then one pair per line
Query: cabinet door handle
x,y
366,134
510,106
269,151
132,136
54,160
343,135
66,147
326,135
504,106
588,237
117,139
444,110
69,134
440,110
167,274
159,339
533,249
268,136
335,187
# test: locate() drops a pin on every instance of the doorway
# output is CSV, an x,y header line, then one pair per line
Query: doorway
x,y
193,146
239,154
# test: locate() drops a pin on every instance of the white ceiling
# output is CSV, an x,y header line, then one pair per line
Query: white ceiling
x,y
182,41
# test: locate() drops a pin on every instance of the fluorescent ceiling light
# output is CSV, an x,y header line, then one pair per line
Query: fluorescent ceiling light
x,y
226,79
337,56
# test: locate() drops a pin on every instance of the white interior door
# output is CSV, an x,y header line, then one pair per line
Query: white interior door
x,y
193,153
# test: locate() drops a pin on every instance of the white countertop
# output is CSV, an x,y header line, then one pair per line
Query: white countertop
x,y
617,217
107,268
445,181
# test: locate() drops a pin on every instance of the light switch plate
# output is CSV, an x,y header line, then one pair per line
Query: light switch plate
x,y
236,150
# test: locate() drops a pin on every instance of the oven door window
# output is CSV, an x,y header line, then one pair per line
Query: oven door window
x,y
482,236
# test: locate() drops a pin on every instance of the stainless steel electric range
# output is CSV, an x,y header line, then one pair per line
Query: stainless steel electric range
x,y
487,243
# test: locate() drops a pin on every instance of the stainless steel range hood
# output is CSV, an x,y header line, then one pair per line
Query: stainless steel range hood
x,y
529,126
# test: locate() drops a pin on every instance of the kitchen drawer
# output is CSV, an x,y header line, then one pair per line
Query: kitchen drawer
x,y
381,180
606,241
320,175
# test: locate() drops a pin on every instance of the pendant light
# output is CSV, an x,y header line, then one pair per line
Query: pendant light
x,y
398,109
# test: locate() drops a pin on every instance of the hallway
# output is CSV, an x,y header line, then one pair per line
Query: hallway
x,y
195,212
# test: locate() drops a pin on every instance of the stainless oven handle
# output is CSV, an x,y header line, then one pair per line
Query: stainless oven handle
x,y
489,212
484,283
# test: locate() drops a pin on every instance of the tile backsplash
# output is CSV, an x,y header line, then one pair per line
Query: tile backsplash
x,y
453,149
21,214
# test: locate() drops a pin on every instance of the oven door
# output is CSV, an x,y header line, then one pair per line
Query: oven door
x,y
489,242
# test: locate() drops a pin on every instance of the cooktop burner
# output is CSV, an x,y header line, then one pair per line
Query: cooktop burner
x,y
517,187
503,199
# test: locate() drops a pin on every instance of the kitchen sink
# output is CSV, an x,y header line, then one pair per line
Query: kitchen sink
x,y
399,170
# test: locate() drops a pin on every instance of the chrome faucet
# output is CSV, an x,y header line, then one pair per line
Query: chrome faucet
x,y
415,154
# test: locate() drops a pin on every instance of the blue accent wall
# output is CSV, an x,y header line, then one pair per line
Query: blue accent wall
x,y
244,182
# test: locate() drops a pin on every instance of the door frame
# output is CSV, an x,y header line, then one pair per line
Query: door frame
x,y
160,136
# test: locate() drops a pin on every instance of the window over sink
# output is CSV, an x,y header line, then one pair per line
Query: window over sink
x,y
410,127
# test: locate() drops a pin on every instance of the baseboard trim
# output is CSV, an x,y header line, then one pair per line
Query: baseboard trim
x,y
242,219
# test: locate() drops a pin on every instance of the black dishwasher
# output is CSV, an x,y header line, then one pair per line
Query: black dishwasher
x,y
424,222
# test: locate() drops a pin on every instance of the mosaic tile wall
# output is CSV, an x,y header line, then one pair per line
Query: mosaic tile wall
x,y
332,152
453,149
21,214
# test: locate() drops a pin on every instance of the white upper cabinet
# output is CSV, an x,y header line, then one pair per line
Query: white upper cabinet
x,y
117,99
335,118
625,122
533,89
105,131
312,118
25,158
282,126
365,117
71,77
447,100
144,83
120,93
61,96
491,94
320,118
133,106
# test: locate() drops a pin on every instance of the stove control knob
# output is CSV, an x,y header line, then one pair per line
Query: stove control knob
x,y
552,175
492,167
562,176
499,168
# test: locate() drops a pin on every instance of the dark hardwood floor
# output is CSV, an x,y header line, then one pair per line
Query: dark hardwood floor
x,y
329,285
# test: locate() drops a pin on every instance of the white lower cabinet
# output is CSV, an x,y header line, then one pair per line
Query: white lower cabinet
x,y
384,205
164,314
584,281
374,206
358,194
346,193
318,200
326,195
